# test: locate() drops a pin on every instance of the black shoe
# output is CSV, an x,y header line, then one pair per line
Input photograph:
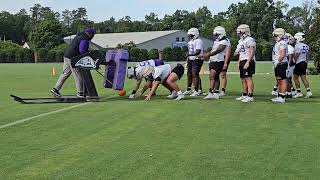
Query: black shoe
x,y
80,95
55,92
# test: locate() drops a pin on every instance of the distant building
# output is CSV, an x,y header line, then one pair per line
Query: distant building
x,y
143,40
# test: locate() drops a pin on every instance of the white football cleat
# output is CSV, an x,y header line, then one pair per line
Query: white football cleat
x,y
216,95
278,100
195,93
309,94
180,96
187,93
209,96
222,93
241,98
247,99
298,95
200,92
293,93
274,93
173,95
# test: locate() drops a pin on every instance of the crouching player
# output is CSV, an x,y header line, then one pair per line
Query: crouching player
x,y
218,62
136,73
280,61
167,75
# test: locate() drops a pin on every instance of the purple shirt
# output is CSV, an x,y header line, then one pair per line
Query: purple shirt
x,y
84,46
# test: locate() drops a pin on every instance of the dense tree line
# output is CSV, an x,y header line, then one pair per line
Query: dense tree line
x,y
46,28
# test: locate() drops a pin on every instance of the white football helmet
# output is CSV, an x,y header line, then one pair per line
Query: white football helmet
x,y
289,38
193,33
219,32
147,71
243,31
278,34
299,36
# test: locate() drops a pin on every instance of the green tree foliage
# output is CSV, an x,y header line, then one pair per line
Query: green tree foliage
x,y
47,34
46,28
153,54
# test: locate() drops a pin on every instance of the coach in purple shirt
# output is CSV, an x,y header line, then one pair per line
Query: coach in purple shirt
x,y
79,45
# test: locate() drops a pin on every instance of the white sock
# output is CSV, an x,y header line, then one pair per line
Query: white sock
x,y
179,93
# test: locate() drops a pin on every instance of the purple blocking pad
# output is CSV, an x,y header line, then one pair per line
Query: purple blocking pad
x,y
121,59
109,70
115,75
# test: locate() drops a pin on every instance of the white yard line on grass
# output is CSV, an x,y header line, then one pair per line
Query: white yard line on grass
x,y
42,115
46,114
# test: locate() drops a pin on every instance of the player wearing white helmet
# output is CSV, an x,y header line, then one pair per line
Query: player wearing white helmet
x,y
291,64
166,75
290,40
246,62
195,62
301,54
280,61
218,60
136,73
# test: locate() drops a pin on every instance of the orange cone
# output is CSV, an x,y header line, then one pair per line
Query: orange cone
x,y
53,71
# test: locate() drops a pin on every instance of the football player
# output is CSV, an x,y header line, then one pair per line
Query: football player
x,y
291,64
166,75
136,73
195,62
246,62
301,50
218,61
280,61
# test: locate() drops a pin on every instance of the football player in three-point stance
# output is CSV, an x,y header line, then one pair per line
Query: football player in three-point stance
x,y
136,73
301,54
218,60
166,75
246,62
280,61
195,62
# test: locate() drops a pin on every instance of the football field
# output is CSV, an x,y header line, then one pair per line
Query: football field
x,y
119,138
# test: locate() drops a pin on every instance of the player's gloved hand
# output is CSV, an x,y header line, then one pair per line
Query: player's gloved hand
x,y
132,96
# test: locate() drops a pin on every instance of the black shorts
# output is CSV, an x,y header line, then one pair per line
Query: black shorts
x,y
217,67
300,69
247,72
179,70
280,71
195,65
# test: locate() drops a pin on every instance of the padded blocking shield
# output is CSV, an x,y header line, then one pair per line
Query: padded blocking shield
x,y
115,75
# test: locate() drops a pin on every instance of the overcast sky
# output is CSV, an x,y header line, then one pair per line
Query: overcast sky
x,y
99,10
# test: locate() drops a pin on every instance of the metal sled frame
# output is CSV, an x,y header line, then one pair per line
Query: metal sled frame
x,y
47,100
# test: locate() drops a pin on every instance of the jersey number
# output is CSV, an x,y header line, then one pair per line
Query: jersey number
x,y
144,63
305,49
242,49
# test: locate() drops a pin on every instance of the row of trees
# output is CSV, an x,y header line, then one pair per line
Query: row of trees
x,y
45,28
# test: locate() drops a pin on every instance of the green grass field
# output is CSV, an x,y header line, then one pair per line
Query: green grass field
x,y
160,139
